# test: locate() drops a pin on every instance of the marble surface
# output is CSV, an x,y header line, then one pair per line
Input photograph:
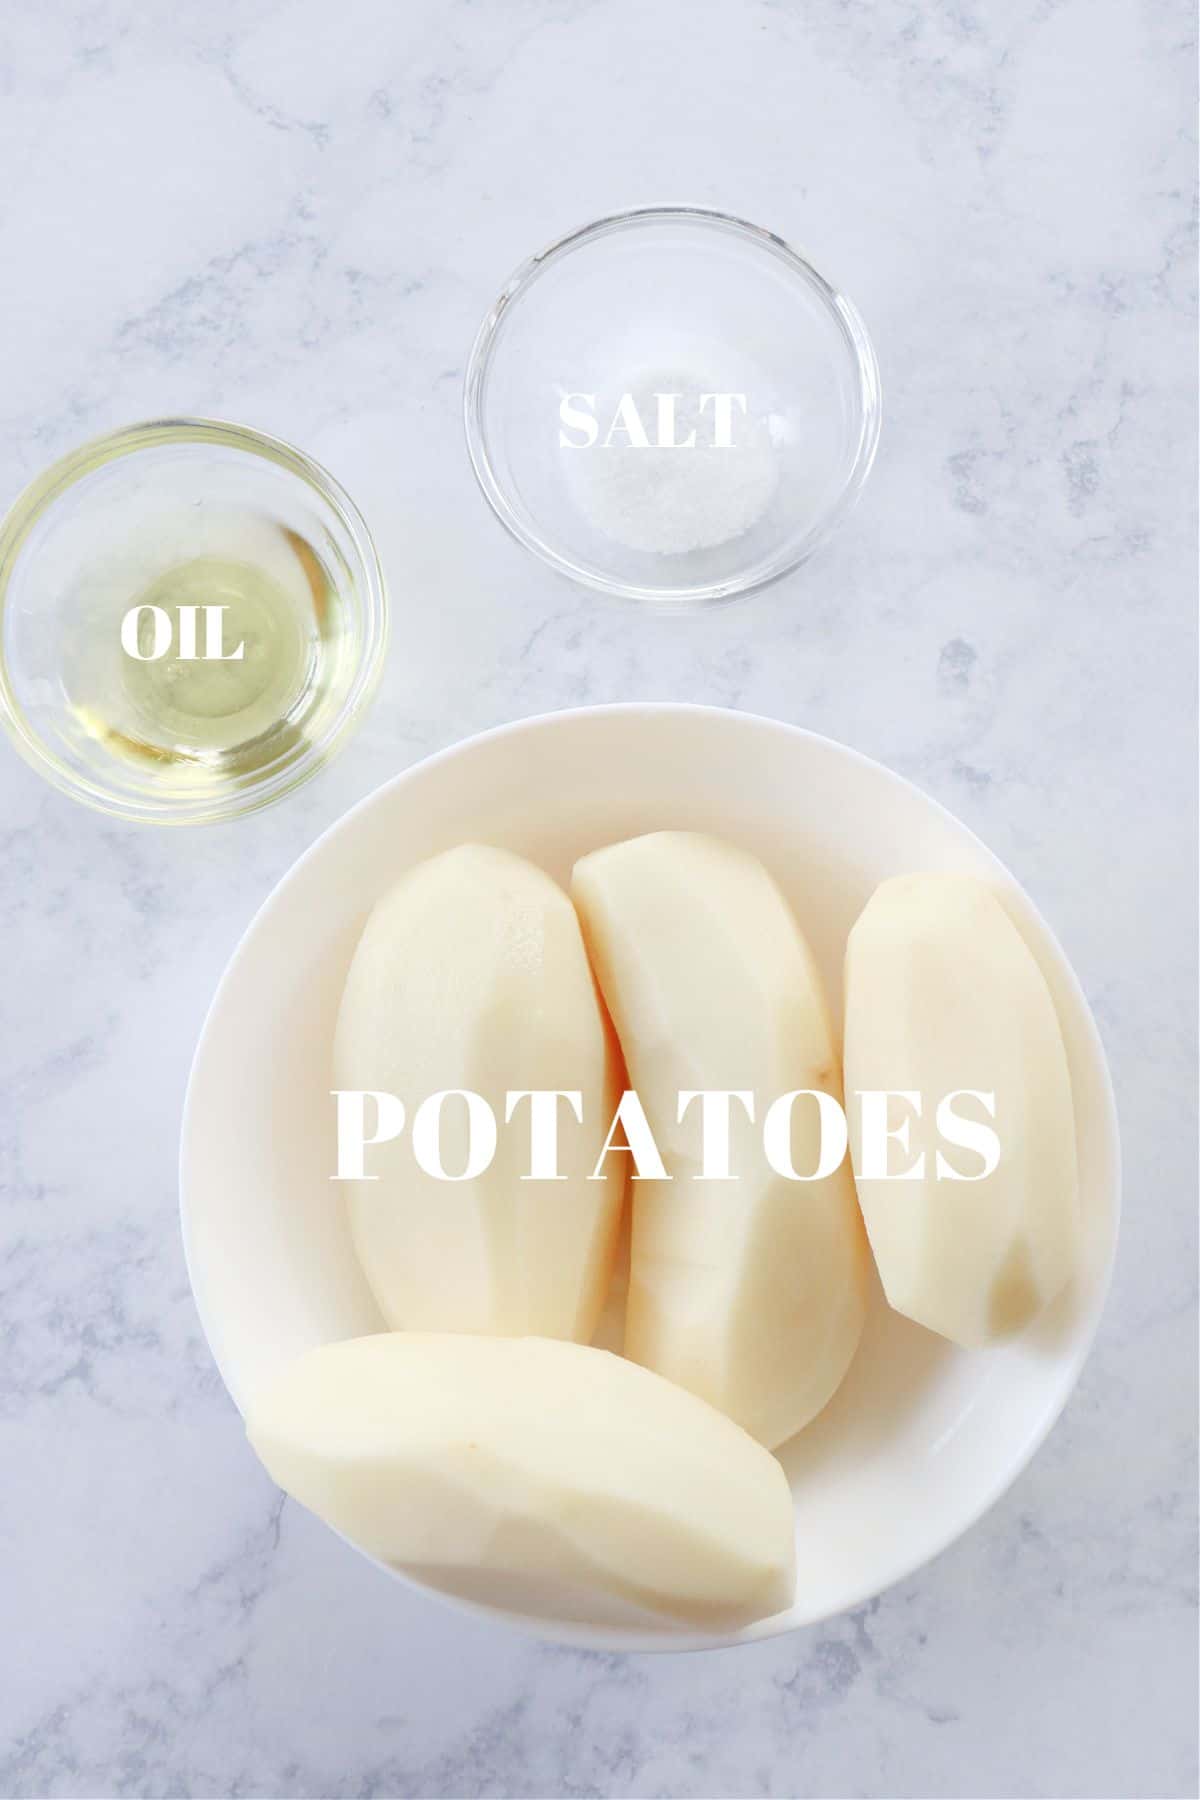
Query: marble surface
x,y
295,214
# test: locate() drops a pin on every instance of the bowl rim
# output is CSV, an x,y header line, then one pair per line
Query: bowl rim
x,y
778,1625
42,494
839,306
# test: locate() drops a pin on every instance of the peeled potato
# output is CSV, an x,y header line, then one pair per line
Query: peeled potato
x,y
750,1293
542,1474
942,994
471,974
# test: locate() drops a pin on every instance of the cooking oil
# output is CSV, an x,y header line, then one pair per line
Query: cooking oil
x,y
267,648
176,695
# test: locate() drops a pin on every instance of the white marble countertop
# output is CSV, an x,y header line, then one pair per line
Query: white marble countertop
x,y
295,214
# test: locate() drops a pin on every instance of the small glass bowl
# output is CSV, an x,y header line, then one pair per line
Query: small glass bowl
x,y
684,294
92,536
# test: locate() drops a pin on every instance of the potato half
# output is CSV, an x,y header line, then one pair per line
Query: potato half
x,y
943,995
749,1292
471,974
545,1475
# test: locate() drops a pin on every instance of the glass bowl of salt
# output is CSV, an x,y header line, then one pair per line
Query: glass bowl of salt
x,y
671,405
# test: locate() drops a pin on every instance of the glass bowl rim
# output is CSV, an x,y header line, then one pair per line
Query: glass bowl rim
x,y
39,497
794,552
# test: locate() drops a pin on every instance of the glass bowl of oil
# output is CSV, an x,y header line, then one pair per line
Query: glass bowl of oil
x,y
192,620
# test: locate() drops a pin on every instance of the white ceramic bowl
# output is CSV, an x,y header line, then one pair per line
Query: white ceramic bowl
x,y
922,1437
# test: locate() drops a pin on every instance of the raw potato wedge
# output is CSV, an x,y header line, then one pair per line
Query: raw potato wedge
x,y
942,994
471,974
750,1292
539,1474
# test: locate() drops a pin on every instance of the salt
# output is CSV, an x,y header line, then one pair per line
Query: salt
x,y
672,500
